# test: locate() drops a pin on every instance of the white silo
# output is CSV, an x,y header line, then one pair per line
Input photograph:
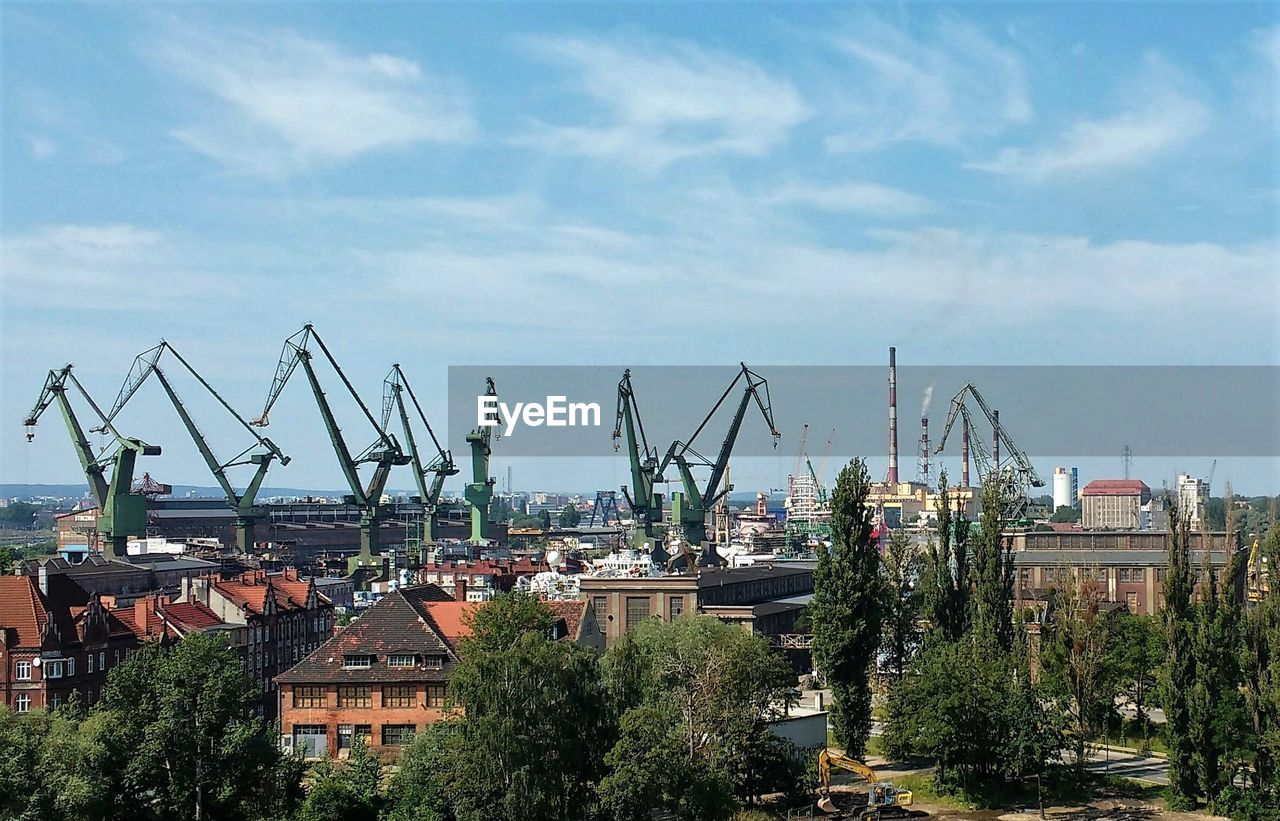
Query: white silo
x,y
1061,488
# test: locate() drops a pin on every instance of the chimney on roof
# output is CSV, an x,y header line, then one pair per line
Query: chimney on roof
x,y
143,609
42,577
893,416
460,588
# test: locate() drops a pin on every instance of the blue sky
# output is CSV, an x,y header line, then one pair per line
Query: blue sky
x,y
630,184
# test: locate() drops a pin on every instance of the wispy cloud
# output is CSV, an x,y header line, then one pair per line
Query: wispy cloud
x,y
942,86
852,197
661,100
1157,117
280,103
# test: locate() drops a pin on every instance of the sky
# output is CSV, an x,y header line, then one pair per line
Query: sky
x,y
625,184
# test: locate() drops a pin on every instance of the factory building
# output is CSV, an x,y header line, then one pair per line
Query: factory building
x,y
1193,496
1114,504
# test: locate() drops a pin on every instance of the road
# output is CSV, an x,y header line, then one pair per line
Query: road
x,y
1127,764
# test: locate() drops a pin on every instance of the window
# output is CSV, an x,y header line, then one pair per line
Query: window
x,y
398,695
22,671
433,662
71,667
397,734
1137,574
347,733
600,606
56,701
1122,575
311,739
357,662
675,607
55,669
102,661
637,610
90,663
437,695
402,660
21,703
310,697
355,695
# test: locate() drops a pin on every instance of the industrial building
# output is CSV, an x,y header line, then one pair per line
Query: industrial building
x,y
1113,504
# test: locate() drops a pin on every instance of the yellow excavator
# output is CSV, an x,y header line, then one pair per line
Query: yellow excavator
x,y
884,800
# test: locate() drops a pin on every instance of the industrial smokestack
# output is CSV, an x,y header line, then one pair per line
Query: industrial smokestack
x,y
893,416
964,456
924,450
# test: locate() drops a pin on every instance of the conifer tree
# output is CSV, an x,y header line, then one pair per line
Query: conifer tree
x,y
1179,673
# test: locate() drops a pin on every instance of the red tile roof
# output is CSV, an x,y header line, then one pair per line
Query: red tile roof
x,y
22,609
572,612
450,618
192,615
1116,487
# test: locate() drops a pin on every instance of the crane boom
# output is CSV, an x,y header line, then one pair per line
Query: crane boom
x,y
244,504
1014,480
479,491
646,506
121,512
394,387
384,452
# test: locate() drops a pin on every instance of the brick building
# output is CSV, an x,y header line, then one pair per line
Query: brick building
x,y
762,598
57,639
283,617
385,676
1113,503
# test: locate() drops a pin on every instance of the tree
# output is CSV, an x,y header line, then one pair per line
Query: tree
x,y
1065,514
430,774
1075,662
1136,648
945,575
847,609
348,791
1215,708
1179,671
902,601
1035,739
1260,668
535,727
992,569
569,516
544,519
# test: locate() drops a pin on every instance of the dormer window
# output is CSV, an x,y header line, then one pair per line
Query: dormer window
x,y
402,660
434,662
357,662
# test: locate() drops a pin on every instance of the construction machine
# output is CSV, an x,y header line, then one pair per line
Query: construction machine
x,y
122,512
384,453
439,467
479,491
689,507
883,799
645,504
1016,478
248,512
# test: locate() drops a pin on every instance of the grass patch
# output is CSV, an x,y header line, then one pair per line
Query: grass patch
x,y
1059,787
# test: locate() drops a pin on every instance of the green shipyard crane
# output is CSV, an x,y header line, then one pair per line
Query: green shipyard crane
x,y
248,512
1017,476
384,453
479,491
689,508
121,512
645,503
439,467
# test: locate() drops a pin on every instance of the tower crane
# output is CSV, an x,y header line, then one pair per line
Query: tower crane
x,y
479,491
248,511
689,507
645,504
1017,476
440,466
121,512
384,453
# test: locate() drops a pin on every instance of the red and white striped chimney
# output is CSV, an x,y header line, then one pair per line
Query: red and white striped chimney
x,y
893,416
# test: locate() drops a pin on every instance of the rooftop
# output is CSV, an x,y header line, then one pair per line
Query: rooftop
x,y
1117,487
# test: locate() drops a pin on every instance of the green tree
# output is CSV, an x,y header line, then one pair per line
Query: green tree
x,y
1075,662
569,516
544,519
945,575
1065,514
430,773
1215,705
178,730
1178,675
1260,669
1135,651
902,601
847,609
534,728
992,571
347,791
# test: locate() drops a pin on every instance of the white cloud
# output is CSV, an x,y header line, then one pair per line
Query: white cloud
x,y
281,103
1158,117
662,100
944,86
853,197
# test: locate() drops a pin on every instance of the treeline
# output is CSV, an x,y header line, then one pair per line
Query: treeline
x,y
962,691
674,718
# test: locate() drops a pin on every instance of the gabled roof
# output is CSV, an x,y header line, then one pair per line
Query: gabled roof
x,y
450,619
398,623
23,611
572,613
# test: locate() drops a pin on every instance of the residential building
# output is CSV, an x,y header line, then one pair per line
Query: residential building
x,y
385,676
284,616
1114,503
1193,496
57,639
763,598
